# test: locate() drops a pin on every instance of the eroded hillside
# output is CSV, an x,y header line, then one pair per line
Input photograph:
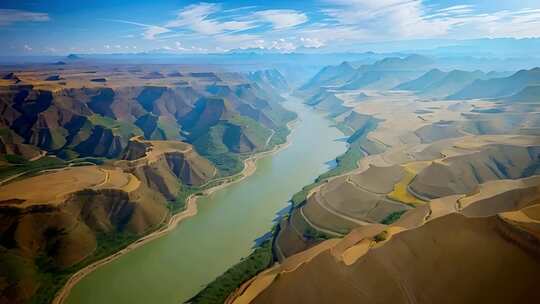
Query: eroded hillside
x,y
94,159
440,188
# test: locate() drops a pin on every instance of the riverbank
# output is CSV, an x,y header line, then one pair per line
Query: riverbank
x,y
235,277
189,211
229,223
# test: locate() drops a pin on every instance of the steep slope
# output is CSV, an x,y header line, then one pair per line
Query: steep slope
x,y
270,80
380,80
530,94
331,75
383,74
216,132
462,174
328,102
423,82
109,162
386,280
451,83
378,263
76,215
83,221
499,87
80,118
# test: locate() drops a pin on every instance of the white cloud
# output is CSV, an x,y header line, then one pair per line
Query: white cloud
x,y
198,18
283,45
518,24
9,16
385,18
282,19
27,47
150,31
343,23
258,44
412,19
311,42
179,46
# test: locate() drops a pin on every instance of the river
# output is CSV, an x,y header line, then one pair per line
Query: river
x,y
175,267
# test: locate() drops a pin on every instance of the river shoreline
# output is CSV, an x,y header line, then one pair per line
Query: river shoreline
x,y
191,210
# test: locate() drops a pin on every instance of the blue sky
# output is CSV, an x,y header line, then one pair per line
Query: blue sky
x,y
61,27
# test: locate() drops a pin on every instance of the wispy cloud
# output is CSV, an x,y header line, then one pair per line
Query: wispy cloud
x,y
9,16
150,31
281,19
412,19
198,18
333,23
210,19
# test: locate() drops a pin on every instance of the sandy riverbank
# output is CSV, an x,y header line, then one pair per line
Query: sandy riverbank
x,y
191,210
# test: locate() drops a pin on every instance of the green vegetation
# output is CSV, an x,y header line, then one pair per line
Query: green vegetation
x,y
261,258
392,217
88,160
344,128
5,132
345,163
52,279
252,129
315,235
20,165
57,138
67,154
31,167
218,290
210,145
280,137
381,237
210,142
15,159
179,204
300,196
169,128
214,144
121,128
280,116
227,163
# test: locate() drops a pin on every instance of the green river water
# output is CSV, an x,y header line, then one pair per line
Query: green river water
x,y
175,267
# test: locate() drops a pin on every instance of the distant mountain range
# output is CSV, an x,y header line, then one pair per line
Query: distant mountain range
x,y
382,74
416,73
437,83
500,87
459,84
